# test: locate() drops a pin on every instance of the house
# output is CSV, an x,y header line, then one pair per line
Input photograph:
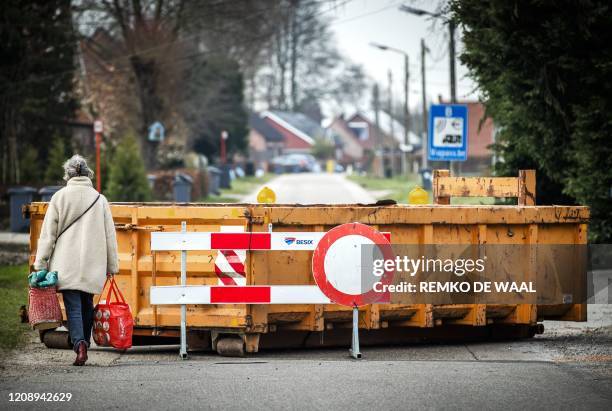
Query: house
x,y
380,138
349,150
273,133
481,134
299,131
265,141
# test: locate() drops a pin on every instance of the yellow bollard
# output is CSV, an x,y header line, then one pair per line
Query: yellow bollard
x,y
266,196
418,196
329,166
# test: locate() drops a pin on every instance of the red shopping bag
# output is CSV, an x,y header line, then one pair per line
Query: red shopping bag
x,y
113,323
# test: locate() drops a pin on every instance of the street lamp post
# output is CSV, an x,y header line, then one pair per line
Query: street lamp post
x,y
424,162
451,49
451,55
406,94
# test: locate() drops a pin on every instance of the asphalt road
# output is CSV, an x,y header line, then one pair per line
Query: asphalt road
x,y
547,372
567,367
316,188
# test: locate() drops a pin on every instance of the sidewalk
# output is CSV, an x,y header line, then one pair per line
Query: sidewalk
x,y
14,238
14,248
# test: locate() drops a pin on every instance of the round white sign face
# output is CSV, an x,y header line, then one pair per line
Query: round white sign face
x,y
343,264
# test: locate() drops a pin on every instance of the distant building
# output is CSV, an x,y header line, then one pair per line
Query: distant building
x,y
349,150
380,145
265,141
273,133
481,134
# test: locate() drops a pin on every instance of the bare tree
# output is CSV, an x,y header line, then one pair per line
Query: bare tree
x,y
303,65
159,38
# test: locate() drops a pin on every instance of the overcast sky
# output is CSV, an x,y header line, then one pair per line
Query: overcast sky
x,y
357,23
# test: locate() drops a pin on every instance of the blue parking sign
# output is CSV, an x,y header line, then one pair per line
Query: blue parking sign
x,y
447,136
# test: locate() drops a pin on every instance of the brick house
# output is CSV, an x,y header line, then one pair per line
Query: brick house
x,y
386,139
265,141
273,133
481,134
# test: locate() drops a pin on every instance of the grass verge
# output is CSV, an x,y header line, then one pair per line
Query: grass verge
x,y
13,294
396,188
240,188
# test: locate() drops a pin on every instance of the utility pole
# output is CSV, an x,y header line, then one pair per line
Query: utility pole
x,y
376,103
406,111
425,143
451,51
406,95
377,142
390,112
390,101
452,165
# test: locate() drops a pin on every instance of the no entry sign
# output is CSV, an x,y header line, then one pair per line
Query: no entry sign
x,y
342,271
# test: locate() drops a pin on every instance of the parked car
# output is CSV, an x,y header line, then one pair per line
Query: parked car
x,y
295,163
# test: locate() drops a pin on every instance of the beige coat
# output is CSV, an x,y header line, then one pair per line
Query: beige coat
x,y
88,249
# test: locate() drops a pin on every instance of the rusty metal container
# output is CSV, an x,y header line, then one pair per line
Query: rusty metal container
x,y
423,224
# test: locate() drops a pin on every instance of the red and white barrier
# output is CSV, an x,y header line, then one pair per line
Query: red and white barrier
x,y
230,264
250,294
229,267
307,241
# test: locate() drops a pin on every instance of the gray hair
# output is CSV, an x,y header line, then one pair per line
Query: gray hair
x,y
76,166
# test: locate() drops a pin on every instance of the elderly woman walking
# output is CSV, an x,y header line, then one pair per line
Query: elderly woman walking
x,y
78,241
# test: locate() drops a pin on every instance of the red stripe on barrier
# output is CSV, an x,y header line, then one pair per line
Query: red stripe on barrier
x,y
387,236
240,241
224,278
234,261
240,295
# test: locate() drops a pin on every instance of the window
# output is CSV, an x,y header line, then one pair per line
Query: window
x,y
360,128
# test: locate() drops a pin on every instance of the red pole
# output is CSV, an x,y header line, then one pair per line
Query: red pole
x,y
223,156
98,174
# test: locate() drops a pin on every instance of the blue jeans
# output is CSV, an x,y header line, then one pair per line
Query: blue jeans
x,y
79,310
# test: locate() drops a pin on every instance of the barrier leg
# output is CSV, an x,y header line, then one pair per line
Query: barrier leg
x,y
183,350
354,351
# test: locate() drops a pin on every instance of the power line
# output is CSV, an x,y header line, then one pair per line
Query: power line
x,y
394,4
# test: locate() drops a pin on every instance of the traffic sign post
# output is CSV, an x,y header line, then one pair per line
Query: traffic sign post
x,y
448,132
337,270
